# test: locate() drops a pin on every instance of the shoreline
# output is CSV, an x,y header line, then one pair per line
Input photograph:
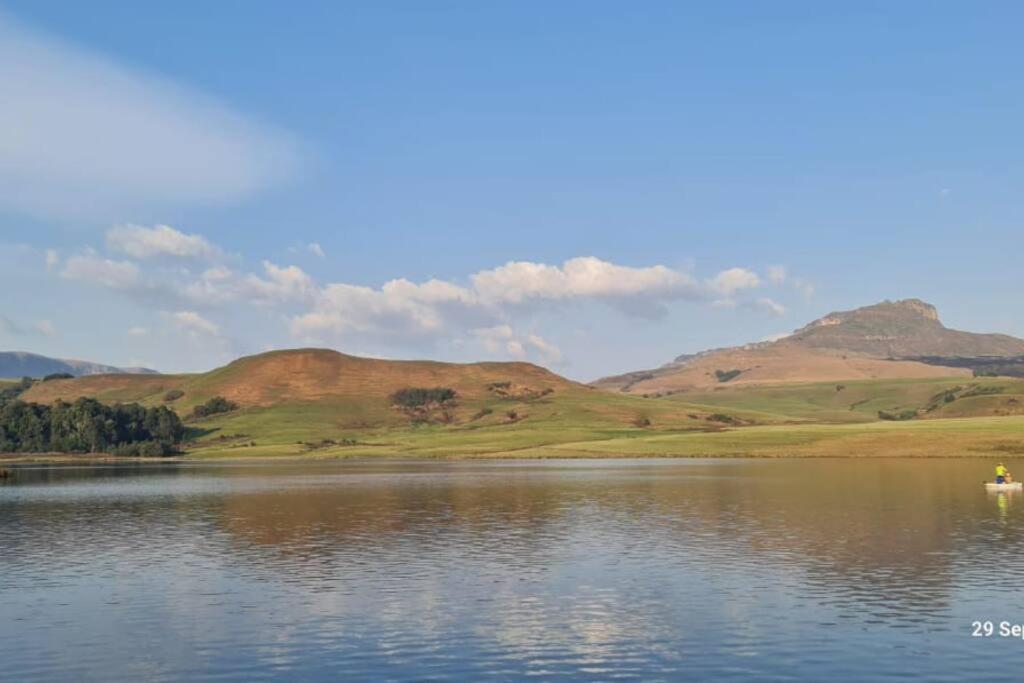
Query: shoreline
x,y
92,459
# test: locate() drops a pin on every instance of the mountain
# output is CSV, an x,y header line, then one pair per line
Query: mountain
x,y
15,364
888,340
900,329
291,401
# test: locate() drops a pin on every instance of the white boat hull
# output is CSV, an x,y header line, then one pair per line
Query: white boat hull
x,y
1015,486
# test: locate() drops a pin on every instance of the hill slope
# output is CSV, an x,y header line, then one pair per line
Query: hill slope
x,y
294,401
14,364
900,329
889,340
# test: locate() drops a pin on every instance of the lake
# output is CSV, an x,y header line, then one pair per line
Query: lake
x,y
732,570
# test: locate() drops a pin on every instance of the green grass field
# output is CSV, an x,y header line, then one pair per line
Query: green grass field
x,y
861,400
317,403
604,425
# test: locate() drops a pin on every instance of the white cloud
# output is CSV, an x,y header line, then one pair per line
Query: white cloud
x,y
194,324
45,328
769,306
92,269
583,277
399,307
281,285
315,249
502,340
776,337
52,259
733,280
90,137
138,331
777,274
160,240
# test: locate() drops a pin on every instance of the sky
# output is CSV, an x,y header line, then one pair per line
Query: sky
x,y
597,187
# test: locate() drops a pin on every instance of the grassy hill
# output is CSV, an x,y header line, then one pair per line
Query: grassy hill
x,y
322,403
862,400
889,340
310,400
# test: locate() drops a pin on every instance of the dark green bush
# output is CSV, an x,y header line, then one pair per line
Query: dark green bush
x,y
215,406
173,395
726,375
58,375
419,397
897,417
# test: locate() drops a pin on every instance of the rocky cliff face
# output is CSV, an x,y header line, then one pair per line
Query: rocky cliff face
x,y
899,329
886,340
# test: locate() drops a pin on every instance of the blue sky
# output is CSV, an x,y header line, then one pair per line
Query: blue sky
x,y
594,186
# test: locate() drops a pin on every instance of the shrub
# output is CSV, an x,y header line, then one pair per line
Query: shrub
x,y
726,375
722,417
642,422
419,397
897,417
215,406
58,375
173,395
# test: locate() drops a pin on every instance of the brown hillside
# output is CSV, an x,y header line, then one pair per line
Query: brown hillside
x,y
899,329
301,375
884,341
769,365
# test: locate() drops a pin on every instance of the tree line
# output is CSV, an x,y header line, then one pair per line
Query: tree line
x,y
88,426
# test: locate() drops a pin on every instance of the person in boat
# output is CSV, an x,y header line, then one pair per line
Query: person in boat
x,y
1003,475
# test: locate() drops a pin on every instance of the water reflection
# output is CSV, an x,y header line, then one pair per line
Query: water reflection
x,y
727,569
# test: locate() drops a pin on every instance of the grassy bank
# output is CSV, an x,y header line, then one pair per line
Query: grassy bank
x,y
980,437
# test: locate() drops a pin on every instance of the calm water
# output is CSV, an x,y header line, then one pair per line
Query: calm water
x,y
674,570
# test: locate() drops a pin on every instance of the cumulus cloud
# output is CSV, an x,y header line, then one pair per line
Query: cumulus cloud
x,y
583,277
279,285
52,259
503,340
399,307
730,281
777,274
769,306
160,240
315,249
483,308
93,269
97,138
438,309
194,324
138,331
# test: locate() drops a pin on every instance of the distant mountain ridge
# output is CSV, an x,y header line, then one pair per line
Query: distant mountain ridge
x,y
900,329
16,364
890,339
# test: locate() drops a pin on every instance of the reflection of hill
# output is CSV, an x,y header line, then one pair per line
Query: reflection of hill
x,y
861,532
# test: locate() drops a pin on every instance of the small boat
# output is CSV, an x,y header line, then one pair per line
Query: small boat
x,y
1014,486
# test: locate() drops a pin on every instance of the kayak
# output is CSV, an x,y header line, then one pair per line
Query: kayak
x,y
1015,486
